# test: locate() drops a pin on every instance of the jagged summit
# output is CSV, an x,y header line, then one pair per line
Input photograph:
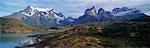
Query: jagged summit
x,y
38,16
123,13
101,10
91,12
30,10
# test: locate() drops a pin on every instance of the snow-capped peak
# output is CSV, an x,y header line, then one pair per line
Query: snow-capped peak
x,y
30,10
39,9
41,16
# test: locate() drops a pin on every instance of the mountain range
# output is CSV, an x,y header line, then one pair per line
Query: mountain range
x,y
38,16
49,17
91,15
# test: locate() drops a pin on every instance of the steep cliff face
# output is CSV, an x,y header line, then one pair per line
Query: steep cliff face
x,y
104,15
89,16
119,14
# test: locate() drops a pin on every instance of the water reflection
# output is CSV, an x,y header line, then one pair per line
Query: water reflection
x,y
12,40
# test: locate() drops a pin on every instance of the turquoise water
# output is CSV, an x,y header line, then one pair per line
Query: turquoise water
x,y
8,44
12,40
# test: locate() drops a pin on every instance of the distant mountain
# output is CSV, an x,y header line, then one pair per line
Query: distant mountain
x,y
123,13
104,15
49,17
89,16
67,21
38,16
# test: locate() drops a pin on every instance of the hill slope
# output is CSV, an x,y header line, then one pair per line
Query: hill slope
x,y
135,32
120,34
8,25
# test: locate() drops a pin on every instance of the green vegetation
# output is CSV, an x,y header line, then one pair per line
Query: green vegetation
x,y
134,32
8,25
109,34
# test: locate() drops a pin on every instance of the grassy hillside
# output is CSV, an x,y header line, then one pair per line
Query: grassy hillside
x,y
8,25
136,32
110,34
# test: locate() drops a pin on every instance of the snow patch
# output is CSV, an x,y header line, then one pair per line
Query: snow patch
x,y
27,14
41,9
147,13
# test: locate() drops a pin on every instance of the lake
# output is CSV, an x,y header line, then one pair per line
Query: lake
x,y
12,40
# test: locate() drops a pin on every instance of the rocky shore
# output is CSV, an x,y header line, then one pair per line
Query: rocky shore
x,y
78,37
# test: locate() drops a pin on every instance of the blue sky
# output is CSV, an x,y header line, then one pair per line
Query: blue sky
x,y
73,8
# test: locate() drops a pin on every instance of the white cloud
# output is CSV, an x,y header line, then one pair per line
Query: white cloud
x,y
107,4
76,7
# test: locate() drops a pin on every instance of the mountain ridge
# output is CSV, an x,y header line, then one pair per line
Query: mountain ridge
x,y
38,16
49,17
119,14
